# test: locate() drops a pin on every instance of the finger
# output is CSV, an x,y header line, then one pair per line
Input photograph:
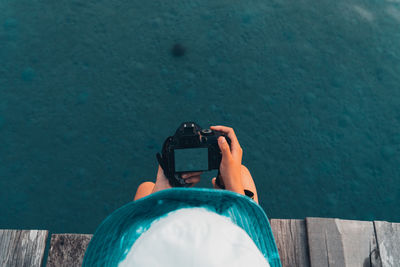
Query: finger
x,y
224,146
214,183
190,174
191,177
228,131
235,146
192,180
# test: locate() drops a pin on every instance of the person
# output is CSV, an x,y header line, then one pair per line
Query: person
x,y
168,227
234,174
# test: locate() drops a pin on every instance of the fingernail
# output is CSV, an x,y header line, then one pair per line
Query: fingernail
x,y
223,140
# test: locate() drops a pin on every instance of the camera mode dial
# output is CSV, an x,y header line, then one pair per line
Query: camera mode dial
x,y
206,132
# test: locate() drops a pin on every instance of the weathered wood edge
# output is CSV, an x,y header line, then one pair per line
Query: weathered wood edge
x,y
388,239
67,249
291,240
324,243
359,242
335,242
22,247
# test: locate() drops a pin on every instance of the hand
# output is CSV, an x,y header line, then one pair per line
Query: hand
x,y
162,181
231,163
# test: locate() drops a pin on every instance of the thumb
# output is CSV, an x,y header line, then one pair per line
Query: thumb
x,y
224,146
214,184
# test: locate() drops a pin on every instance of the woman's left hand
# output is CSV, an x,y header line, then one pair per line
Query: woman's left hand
x,y
162,181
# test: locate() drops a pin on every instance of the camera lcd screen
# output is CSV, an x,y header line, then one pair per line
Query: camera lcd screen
x,y
191,159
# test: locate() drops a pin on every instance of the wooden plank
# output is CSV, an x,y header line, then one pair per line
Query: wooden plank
x,y
291,240
334,242
324,243
67,249
22,247
388,238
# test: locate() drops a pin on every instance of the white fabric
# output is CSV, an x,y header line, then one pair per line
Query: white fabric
x,y
194,237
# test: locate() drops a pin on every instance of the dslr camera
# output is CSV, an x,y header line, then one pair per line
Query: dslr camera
x,y
190,149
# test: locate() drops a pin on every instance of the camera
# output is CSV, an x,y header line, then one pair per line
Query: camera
x,y
190,149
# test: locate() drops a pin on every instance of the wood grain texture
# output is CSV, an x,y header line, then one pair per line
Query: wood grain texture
x,y
334,242
388,238
291,240
67,249
22,247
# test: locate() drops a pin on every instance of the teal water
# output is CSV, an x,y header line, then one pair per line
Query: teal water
x,y
89,90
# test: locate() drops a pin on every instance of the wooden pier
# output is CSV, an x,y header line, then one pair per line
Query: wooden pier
x,y
313,242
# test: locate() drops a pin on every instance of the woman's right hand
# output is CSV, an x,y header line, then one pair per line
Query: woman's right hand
x,y
231,162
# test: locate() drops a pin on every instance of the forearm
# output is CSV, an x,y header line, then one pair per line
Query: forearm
x,y
235,188
234,183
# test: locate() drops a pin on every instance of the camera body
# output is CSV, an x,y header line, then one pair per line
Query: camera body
x,y
193,144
